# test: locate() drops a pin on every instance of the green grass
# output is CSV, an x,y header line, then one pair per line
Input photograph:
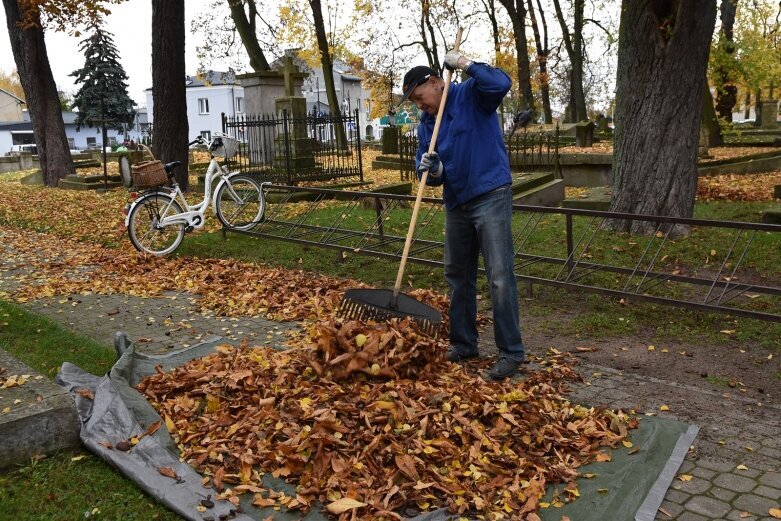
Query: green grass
x,y
44,345
59,487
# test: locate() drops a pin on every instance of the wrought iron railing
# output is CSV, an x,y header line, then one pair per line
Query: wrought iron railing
x,y
292,150
562,247
527,151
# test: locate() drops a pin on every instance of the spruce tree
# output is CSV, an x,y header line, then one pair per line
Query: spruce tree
x,y
103,92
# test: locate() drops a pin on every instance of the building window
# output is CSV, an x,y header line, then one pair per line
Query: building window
x,y
206,134
71,143
239,104
112,141
203,105
91,142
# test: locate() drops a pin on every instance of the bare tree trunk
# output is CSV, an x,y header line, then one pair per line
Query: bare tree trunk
x,y
662,59
542,58
170,127
489,6
43,102
328,72
727,94
517,12
709,118
574,46
245,25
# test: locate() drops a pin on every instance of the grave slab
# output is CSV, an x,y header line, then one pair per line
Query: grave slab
x,y
36,415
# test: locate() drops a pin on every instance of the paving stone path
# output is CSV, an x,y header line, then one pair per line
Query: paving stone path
x,y
734,464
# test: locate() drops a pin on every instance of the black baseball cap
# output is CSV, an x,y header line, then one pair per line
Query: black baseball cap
x,y
414,77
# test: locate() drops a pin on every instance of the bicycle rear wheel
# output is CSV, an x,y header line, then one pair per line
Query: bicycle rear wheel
x,y
142,227
240,203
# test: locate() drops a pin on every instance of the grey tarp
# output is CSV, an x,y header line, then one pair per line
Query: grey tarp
x,y
630,488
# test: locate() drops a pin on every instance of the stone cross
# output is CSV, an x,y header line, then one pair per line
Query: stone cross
x,y
288,70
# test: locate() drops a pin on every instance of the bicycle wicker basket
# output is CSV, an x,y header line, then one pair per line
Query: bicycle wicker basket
x,y
148,174
230,146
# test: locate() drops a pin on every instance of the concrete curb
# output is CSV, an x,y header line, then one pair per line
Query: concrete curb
x,y
37,417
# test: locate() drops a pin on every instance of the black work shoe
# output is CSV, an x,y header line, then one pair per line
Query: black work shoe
x,y
505,367
460,354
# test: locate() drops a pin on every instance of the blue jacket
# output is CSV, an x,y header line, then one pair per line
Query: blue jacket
x,y
470,142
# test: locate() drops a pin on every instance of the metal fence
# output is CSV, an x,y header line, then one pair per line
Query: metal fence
x,y
291,150
562,247
534,150
526,150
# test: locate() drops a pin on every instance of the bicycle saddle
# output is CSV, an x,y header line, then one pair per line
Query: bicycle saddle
x,y
170,166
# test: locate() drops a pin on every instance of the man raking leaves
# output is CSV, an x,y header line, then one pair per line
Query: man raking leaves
x,y
471,163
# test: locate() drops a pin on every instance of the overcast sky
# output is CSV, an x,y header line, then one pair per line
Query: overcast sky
x,y
131,25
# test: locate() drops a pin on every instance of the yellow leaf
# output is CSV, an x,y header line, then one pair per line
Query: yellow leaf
x,y
343,505
741,467
627,444
651,348
78,458
664,408
775,512
169,424
212,403
727,331
685,477
360,339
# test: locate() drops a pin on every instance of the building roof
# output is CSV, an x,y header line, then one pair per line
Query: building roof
x,y
16,125
209,79
17,98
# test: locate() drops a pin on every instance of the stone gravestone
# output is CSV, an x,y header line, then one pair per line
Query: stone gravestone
x,y
769,118
584,134
603,125
262,88
297,150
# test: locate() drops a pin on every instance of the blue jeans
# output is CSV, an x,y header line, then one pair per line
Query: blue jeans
x,y
483,223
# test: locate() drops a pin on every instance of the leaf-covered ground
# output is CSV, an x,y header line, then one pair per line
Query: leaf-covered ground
x,y
365,418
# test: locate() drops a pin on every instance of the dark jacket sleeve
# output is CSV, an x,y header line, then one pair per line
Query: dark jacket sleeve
x,y
490,87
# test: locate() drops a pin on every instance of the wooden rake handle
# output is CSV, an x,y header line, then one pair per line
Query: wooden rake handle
x,y
424,176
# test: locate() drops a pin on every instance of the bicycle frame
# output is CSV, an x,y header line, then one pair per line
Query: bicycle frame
x,y
193,216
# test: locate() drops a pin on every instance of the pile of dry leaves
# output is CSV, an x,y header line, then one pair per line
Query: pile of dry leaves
x,y
370,420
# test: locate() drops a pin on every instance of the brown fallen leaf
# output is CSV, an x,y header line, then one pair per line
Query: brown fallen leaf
x,y
85,393
168,472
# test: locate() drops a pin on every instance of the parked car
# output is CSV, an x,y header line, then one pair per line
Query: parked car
x,y
15,149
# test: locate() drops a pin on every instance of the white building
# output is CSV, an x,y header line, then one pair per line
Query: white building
x,y
208,98
21,132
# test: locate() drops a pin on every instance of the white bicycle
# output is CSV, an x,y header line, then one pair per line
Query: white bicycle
x,y
157,221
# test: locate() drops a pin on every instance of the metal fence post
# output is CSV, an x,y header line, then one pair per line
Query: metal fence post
x,y
285,130
358,140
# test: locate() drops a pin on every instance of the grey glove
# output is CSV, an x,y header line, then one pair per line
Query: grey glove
x,y
453,57
432,163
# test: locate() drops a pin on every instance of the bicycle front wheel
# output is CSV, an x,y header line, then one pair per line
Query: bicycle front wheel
x,y
240,203
144,229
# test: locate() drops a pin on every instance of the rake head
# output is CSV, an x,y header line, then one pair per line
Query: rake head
x,y
379,305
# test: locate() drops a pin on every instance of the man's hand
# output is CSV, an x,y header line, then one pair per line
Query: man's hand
x,y
432,163
456,60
